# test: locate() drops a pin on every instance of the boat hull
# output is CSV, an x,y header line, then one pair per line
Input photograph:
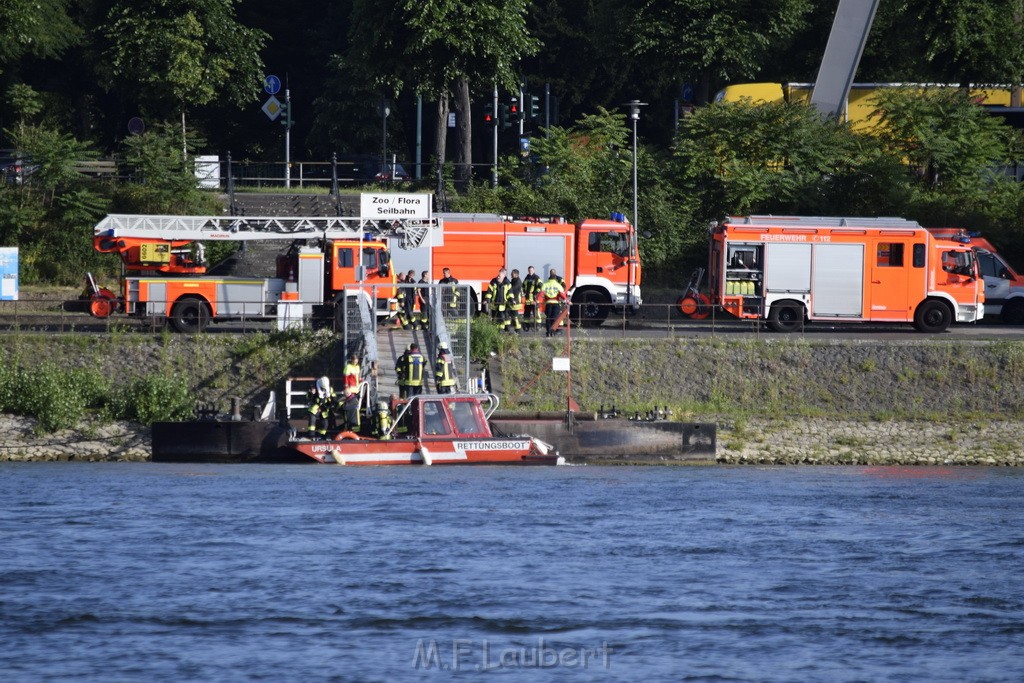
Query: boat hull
x,y
469,451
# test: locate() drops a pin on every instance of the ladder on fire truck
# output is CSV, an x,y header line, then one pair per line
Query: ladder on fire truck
x,y
411,232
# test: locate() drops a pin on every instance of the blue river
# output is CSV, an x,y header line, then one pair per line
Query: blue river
x,y
132,572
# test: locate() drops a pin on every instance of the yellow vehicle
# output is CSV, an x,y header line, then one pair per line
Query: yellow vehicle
x,y
859,105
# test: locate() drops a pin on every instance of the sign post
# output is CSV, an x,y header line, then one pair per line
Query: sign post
x,y
392,205
8,273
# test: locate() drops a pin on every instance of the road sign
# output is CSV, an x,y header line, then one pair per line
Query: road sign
x,y
272,84
272,108
687,92
394,205
136,126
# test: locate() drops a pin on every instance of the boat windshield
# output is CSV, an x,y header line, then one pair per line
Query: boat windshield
x,y
434,420
467,420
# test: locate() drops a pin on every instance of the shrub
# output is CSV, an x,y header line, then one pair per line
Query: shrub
x,y
57,398
484,337
154,398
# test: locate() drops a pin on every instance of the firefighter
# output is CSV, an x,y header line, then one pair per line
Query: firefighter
x,y
408,303
383,421
401,297
321,400
410,372
423,302
450,293
400,367
531,287
494,297
444,375
353,380
552,294
514,304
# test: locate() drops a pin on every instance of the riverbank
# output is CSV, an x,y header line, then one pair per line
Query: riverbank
x,y
110,442
793,441
780,400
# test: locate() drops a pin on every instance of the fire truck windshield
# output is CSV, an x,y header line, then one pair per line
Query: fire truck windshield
x,y
958,262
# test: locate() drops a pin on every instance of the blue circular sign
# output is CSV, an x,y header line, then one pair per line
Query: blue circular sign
x,y
272,84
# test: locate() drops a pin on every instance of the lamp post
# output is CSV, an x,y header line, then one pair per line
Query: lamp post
x,y
634,115
385,109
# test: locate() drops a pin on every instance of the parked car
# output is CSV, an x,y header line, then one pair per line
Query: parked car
x,y
14,169
369,169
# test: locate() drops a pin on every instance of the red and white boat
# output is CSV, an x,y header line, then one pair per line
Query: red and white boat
x,y
445,429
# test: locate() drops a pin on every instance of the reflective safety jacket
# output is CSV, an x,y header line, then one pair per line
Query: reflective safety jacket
x,y
531,286
450,295
443,371
322,405
552,290
497,293
353,375
515,295
410,369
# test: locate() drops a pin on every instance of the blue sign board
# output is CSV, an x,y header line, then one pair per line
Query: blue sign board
x,y
272,84
8,273
687,92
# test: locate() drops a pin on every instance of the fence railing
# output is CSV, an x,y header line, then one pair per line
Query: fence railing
x,y
652,320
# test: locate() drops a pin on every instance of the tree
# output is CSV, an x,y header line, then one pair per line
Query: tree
x,y
738,158
40,28
712,41
432,46
184,52
958,153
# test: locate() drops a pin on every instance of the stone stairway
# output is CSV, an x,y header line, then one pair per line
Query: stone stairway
x,y
392,343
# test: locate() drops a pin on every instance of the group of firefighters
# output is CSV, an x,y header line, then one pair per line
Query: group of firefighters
x,y
514,303
323,403
520,303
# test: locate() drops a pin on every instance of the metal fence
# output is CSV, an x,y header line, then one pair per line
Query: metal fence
x,y
449,323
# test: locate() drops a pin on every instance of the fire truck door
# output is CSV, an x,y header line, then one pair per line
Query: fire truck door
x,y
890,268
837,282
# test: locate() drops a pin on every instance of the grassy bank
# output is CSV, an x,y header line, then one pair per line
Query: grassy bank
x,y
724,380
775,377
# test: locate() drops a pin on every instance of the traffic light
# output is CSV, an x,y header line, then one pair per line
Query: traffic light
x,y
285,117
504,115
489,120
532,106
515,112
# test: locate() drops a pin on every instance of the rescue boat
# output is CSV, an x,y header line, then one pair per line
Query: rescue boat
x,y
435,429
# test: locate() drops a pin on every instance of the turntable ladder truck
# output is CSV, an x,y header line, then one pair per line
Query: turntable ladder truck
x,y
164,274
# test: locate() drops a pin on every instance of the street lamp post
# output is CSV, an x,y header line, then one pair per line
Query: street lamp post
x,y
634,115
385,110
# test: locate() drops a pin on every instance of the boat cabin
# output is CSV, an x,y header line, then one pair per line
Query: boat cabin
x,y
444,416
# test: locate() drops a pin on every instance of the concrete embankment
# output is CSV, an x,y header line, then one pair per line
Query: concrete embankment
x,y
780,399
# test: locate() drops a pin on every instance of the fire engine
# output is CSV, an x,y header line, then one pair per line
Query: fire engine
x,y
792,269
597,258
165,274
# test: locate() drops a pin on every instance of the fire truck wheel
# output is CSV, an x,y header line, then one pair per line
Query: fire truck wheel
x,y
591,309
189,315
932,316
1013,312
785,316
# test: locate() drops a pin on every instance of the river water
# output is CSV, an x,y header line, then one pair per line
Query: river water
x,y
125,572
